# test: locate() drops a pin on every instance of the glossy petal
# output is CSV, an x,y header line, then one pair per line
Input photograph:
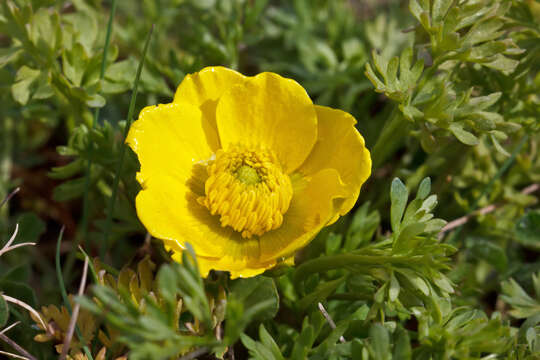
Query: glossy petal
x,y
203,89
272,112
236,269
168,139
339,146
208,84
312,207
168,208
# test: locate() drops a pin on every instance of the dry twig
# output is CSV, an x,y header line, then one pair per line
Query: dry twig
x,y
10,327
75,313
8,246
17,347
26,306
485,210
329,320
15,356
10,195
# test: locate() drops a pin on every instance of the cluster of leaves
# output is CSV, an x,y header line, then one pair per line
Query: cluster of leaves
x,y
372,286
460,37
162,314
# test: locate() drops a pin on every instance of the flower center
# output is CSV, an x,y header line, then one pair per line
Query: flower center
x,y
248,190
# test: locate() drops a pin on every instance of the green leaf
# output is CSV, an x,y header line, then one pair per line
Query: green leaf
x,y
4,311
526,230
95,101
9,54
323,290
362,227
424,188
393,290
463,135
74,64
380,341
402,347
498,146
304,342
489,251
269,343
23,87
31,227
398,196
252,291
439,9
19,291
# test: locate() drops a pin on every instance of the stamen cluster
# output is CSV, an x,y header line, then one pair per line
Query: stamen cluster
x,y
248,189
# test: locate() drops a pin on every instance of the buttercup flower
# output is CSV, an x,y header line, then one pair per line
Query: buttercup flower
x,y
246,169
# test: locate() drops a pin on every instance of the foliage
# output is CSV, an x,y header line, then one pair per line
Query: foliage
x,y
446,95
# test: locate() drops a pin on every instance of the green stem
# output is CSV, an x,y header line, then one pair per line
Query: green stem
x,y
110,210
390,138
339,261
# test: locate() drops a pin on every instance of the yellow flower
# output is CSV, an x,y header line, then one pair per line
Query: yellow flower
x,y
246,169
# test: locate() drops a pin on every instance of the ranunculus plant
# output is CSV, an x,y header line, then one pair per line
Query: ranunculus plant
x,y
246,169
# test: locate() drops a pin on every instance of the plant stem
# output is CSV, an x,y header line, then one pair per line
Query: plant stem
x,y
390,138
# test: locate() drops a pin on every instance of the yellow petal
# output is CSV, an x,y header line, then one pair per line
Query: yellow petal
x,y
171,146
208,84
272,112
169,210
179,219
312,206
339,146
236,270
203,89
168,139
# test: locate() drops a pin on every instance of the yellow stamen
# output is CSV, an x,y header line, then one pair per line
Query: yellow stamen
x,y
248,190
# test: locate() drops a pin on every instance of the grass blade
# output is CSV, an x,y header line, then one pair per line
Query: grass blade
x,y
110,211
